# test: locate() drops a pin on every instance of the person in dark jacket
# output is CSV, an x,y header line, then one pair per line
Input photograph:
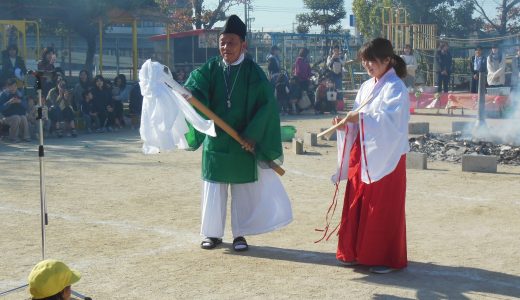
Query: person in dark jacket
x,y
13,108
103,103
46,65
444,64
13,65
135,105
477,65
89,114
273,64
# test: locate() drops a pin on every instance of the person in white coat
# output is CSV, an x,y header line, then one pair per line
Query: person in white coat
x,y
411,66
496,67
372,149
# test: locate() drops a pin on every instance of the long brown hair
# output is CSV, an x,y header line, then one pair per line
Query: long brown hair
x,y
380,49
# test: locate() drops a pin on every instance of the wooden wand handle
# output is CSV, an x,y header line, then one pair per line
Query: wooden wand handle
x,y
228,129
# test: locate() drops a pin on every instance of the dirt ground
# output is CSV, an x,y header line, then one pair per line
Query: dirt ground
x,y
130,224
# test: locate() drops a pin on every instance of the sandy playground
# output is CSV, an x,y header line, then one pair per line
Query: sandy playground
x,y
130,224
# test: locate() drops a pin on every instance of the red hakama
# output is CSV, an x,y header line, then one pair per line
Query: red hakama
x,y
373,227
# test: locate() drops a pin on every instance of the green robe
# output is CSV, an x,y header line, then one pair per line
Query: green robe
x,y
253,114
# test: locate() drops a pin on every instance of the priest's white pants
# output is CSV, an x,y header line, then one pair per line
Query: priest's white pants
x,y
256,207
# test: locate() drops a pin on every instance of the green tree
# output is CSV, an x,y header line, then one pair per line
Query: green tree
x,y
452,17
369,16
326,14
507,19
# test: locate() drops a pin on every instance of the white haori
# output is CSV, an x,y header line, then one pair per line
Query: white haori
x,y
257,207
165,112
382,126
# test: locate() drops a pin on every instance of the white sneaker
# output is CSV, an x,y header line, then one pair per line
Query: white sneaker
x,y
348,263
381,270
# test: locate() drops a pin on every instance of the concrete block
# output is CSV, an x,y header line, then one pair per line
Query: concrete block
x,y
419,128
464,127
333,137
479,163
416,160
297,146
310,139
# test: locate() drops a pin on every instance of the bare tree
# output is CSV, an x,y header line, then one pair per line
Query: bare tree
x,y
507,19
200,15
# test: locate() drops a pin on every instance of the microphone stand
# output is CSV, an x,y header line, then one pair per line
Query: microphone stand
x,y
43,204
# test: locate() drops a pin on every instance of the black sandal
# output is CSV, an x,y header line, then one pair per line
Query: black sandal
x,y
240,244
210,243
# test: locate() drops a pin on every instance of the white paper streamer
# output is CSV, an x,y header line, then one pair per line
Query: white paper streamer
x,y
165,111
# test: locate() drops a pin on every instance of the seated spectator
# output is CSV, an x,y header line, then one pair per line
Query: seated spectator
x,y
88,112
55,111
120,95
68,116
477,65
282,94
320,96
103,103
51,280
335,65
135,105
13,65
46,65
295,94
322,103
83,85
180,76
14,109
496,67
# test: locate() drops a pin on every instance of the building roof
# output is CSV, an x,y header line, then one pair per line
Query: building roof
x,y
196,32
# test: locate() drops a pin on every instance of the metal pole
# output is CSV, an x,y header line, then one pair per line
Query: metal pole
x,y
134,48
168,50
117,55
43,205
100,47
70,53
481,100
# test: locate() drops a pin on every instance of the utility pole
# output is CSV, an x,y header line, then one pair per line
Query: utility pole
x,y
246,17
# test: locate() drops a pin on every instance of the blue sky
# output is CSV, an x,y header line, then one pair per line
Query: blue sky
x,y
279,15
276,15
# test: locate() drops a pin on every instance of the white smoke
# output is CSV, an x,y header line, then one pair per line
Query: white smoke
x,y
508,132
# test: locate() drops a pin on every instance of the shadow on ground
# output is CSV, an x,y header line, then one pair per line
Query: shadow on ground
x,y
429,280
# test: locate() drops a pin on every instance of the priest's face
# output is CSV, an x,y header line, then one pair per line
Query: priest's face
x,y
376,68
231,46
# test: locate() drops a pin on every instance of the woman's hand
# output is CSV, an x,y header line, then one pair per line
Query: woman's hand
x,y
338,120
353,117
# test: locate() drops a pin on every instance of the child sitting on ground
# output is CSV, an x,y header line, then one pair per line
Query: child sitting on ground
x,y
67,113
324,99
52,279
295,94
282,94
88,111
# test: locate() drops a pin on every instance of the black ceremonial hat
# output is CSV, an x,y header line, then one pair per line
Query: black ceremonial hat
x,y
236,26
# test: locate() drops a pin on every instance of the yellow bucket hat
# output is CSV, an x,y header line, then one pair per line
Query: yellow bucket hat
x,y
50,277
